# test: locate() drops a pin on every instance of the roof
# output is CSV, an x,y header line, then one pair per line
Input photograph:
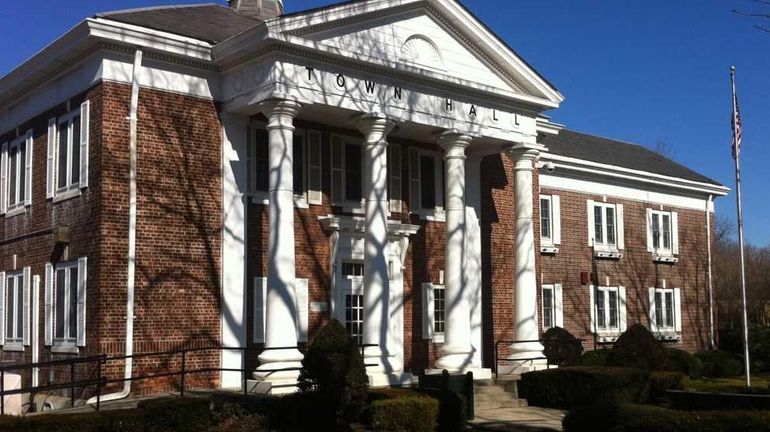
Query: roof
x,y
602,150
209,22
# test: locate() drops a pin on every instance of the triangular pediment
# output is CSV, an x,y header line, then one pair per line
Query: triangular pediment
x,y
439,37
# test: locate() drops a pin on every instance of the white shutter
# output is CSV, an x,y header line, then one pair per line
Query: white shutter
x,y
27,275
84,137
428,306
592,305
301,296
314,151
337,171
650,243
623,324
48,306
558,304
2,307
82,281
394,173
675,233
677,310
556,219
590,214
621,238
28,169
3,177
260,294
415,203
50,176
653,326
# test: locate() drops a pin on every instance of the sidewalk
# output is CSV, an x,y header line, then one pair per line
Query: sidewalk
x,y
518,419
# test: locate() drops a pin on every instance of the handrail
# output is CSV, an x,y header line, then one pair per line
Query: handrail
x,y
102,381
527,359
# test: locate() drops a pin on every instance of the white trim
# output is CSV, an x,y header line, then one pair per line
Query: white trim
x,y
606,333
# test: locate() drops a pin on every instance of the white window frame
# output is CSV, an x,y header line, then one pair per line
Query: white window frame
x,y
429,312
603,249
550,244
70,188
606,333
665,331
23,167
415,185
339,198
557,305
21,299
66,341
661,253
263,197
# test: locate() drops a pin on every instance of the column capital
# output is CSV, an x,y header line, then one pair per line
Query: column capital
x,y
524,155
454,143
374,126
280,112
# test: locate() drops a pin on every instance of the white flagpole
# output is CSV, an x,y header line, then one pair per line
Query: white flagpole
x,y
736,158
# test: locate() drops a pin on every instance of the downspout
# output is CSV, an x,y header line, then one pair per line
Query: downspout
x,y
712,340
133,118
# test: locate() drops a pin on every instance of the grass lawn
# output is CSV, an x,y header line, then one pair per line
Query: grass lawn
x,y
759,384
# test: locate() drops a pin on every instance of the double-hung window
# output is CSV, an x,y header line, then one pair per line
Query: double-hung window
x,y
260,166
67,156
550,223
605,226
553,310
665,311
347,172
434,312
16,174
426,184
65,304
662,234
14,313
608,310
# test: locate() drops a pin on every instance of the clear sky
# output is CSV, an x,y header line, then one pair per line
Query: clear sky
x,y
636,71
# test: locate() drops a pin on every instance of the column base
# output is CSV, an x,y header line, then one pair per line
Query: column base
x,y
455,358
272,387
395,379
478,373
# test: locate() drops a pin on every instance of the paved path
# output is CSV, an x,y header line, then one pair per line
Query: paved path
x,y
518,419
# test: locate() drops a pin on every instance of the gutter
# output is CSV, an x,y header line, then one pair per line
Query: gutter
x,y
130,285
712,340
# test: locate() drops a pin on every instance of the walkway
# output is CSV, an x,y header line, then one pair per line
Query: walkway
x,y
518,419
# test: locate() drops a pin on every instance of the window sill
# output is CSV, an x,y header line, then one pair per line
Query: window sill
x,y
607,253
548,249
668,336
15,212
607,337
65,349
665,258
437,338
63,196
14,347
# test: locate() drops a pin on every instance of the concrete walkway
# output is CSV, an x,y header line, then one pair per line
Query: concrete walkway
x,y
518,419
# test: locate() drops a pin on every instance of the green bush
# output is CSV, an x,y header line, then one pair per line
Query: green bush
x,y
720,363
684,362
759,348
410,413
594,358
661,381
334,369
637,348
573,386
644,418
561,348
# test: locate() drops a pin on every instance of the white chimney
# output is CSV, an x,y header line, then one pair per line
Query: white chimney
x,y
259,9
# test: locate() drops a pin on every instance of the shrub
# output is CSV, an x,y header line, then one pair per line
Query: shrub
x,y
661,381
333,368
720,363
573,386
409,413
561,348
643,418
594,358
637,348
759,348
684,362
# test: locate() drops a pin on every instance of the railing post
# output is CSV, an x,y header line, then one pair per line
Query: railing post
x,y
99,385
184,360
2,392
243,372
72,387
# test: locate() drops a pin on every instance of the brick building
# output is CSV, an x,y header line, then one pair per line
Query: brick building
x,y
197,176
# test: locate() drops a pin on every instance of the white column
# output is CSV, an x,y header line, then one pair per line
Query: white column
x,y
456,353
375,128
280,303
524,157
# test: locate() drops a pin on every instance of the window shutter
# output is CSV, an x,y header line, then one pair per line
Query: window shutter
x,y
2,308
26,305
591,297
314,193
48,306
394,173
677,310
415,204
556,219
439,168
675,233
590,213
301,296
428,306
622,311
558,304
337,170
84,122
653,326
28,169
3,177
50,176
260,294
619,226
82,280
649,231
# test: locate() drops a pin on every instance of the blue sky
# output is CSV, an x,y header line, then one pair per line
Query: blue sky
x,y
636,71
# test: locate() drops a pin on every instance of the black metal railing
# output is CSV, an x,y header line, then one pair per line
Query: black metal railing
x,y
548,364
101,381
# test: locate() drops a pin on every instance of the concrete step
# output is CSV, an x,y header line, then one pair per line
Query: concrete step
x,y
495,396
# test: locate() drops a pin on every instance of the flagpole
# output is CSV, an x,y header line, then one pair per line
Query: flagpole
x,y
736,158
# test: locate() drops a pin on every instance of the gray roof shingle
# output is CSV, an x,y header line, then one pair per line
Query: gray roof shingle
x,y
210,22
611,152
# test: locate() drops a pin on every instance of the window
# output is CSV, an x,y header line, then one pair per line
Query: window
x,y
548,309
67,166
353,269
433,312
65,305
426,174
662,233
546,228
353,172
354,317
608,310
605,226
347,172
550,223
261,165
13,308
16,174
665,310
439,310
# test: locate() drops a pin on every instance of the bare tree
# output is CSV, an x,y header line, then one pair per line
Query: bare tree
x,y
664,148
760,16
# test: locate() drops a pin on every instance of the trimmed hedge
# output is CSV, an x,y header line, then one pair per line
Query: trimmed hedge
x,y
560,347
644,418
719,363
409,413
574,386
662,381
684,362
637,348
594,358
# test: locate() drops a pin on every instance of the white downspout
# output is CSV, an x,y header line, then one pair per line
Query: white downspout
x,y
712,340
133,118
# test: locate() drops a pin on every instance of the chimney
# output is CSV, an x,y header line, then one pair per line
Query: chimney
x,y
259,9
